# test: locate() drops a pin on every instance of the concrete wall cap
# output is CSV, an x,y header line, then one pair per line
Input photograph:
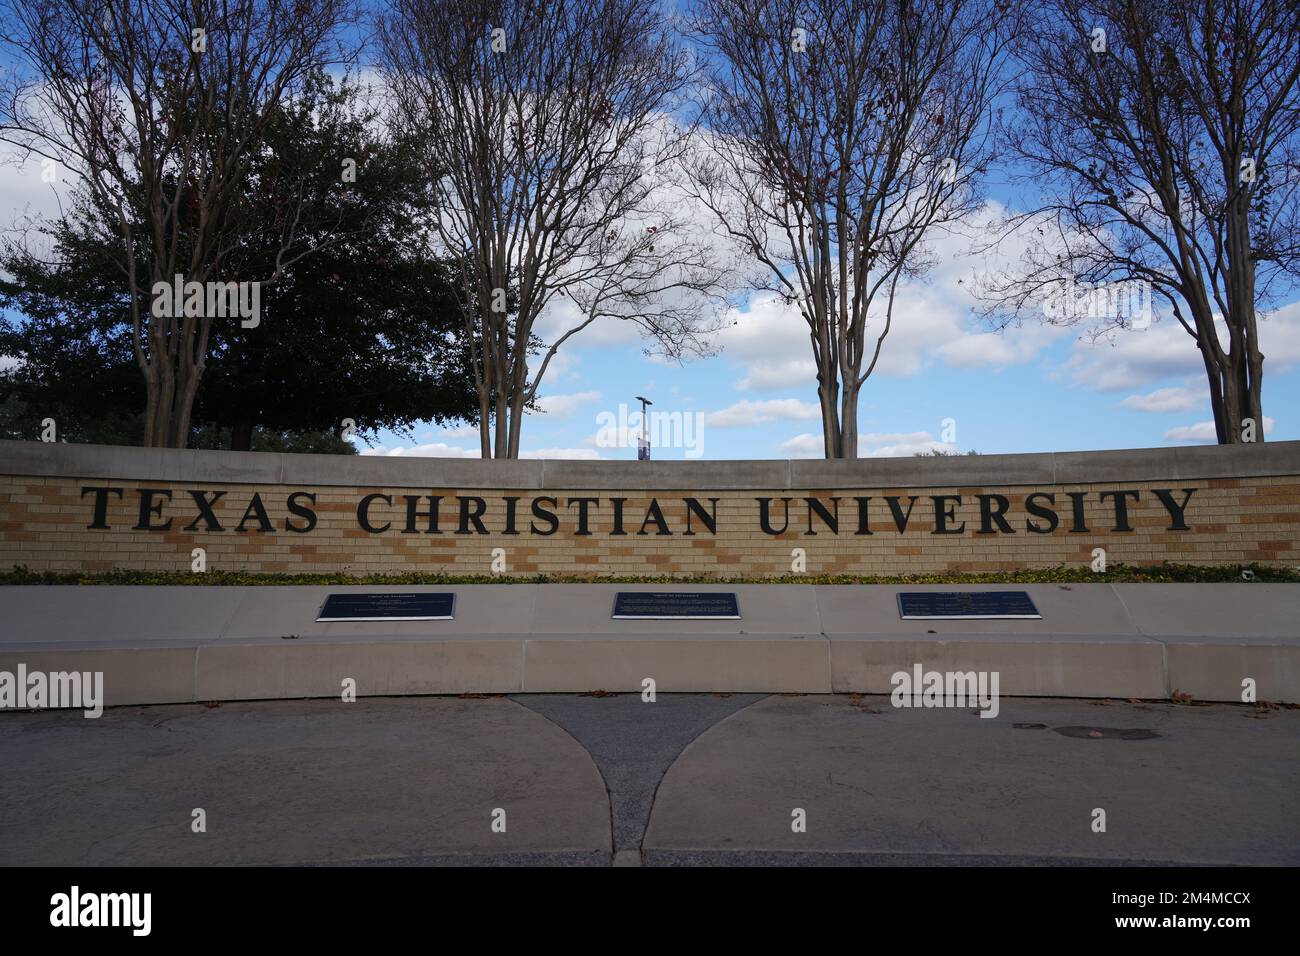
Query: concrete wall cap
x,y
367,471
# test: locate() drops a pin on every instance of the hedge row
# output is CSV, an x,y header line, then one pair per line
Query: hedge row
x,y
1157,573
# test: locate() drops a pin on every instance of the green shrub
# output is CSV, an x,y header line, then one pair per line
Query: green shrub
x,y
1060,574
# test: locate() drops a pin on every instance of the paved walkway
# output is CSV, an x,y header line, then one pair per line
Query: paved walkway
x,y
686,779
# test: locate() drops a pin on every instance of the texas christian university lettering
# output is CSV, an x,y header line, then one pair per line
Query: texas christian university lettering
x,y
1039,512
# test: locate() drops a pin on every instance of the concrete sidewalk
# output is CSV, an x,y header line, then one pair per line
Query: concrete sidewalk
x,y
686,779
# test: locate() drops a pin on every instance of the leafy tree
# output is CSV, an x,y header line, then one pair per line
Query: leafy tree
x,y
162,107
367,328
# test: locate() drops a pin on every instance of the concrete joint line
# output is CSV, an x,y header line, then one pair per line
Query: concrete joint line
x,y
826,641
654,797
224,630
194,681
609,797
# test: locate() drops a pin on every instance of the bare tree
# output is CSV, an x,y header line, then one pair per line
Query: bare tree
x,y
550,144
158,106
1165,134
843,133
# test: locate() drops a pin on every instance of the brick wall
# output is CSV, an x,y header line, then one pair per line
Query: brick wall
x,y
45,519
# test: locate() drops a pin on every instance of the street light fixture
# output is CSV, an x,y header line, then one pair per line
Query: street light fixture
x,y
643,452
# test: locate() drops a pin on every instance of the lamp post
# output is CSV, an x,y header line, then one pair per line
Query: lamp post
x,y
643,451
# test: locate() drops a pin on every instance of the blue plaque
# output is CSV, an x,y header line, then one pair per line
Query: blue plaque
x,y
676,606
388,607
966,606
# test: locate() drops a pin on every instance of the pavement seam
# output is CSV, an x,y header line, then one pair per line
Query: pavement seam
x,y
609,798
654,797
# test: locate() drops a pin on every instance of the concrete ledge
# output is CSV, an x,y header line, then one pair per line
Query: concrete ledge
x,y
132,675
167,645
1215,671
224,467
698,664
1075,668
380,669
1246,613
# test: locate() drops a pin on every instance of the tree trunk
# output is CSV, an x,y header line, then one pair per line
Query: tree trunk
x,y
517,411
828,395
1231,405
501,434
830,421
485,389
241,435
1252,362
188,389
152,409
1221,427
484,423
849,422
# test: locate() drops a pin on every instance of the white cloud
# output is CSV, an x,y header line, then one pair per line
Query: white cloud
x,y
1204,432
758,413
996,349
562,314
933,321
806,445
899,444
769,376
563,406
1177,399
564,365
870,445
432,450
1137,358
1279,338
23,193
1132,359
561,454
1201,431
443,450
771,341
